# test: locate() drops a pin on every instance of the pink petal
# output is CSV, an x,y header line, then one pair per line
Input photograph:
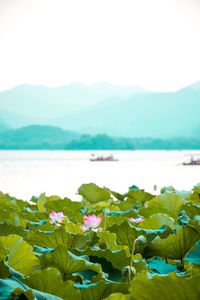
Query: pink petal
x,y
87,221
138,220
91,221
132,219
98,221
52,214
61,216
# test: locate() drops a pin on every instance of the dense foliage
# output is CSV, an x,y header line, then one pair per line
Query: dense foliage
x,y
132,246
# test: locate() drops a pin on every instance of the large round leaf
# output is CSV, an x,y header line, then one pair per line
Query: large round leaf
x,y
56,238
67,262
176,245
50,281
167,203
193,256
170,287
117,296
13,289
92,193
156,221
20,254
101,289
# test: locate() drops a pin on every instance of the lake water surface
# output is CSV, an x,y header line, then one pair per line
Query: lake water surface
x,y
27,173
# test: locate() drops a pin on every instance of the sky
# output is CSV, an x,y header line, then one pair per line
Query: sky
x,y
153,44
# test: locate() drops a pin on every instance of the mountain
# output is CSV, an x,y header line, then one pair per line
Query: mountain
x,y
13,120
36,137
39,104
141,115
3,126
104,108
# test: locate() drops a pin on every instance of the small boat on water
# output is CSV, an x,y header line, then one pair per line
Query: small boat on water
x,y
103,158
192,162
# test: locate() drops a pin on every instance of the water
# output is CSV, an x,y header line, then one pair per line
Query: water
x,y
27,173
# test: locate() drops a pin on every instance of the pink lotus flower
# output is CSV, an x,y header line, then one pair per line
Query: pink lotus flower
x,y
56,218
137,220
91,221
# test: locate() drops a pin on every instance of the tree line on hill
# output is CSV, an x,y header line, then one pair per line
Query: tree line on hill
x,y
54,138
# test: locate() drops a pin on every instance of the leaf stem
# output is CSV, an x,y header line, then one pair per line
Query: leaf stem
x,y
132,253
104,227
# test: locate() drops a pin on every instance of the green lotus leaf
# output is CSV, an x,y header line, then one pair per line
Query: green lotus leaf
x,y
117,296
43,199
8,203
20,254
117,195
115,220
176,245
192,210
19,293
4,270
193,256
134,188
12,218
118,258
97,205
119,255
7,229
41,202
73,228
67,262
126,234
50,281
170,287
32,224
194,197
109,238
16,220
140,196
157,265
42,250
195,224
167,189
128,204
101,289
126,213
183,218
156,221
56,238
35,215
3,252
92,193
14,289
167,203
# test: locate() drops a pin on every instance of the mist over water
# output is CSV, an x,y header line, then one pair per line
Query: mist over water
x,y
27,173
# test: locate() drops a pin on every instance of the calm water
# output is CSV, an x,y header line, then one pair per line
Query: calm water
x,y
27,173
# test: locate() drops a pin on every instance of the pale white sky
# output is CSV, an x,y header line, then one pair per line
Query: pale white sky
x,y
153,44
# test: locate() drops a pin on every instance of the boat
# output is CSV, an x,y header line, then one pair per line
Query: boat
x,y
103,158
192,162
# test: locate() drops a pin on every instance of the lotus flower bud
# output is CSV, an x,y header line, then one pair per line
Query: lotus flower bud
x,y
128,273
106,211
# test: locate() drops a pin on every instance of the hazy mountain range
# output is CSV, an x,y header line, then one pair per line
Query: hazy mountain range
x,y
104,108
